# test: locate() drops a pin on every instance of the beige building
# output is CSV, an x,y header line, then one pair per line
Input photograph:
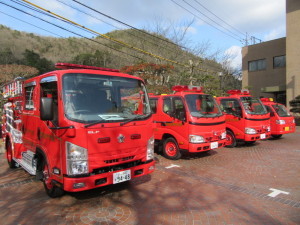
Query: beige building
x,y
272,68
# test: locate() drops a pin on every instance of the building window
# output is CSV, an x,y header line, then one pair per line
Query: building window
x,y
257,65
279,61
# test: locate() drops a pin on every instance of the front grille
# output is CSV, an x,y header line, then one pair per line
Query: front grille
x,y
118,167
119,160
214,138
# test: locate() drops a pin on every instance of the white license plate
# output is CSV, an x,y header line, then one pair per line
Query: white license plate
x,y
121,176
262,136
214,145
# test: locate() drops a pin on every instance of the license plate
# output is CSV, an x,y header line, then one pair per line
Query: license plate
x,y
287,128
262,136
121,176
213,145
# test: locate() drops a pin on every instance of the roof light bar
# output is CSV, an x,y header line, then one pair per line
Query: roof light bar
x,y
239,92
77,66
179,88
267,99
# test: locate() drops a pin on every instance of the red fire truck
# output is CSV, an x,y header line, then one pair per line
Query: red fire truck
x,y
281,121
247,119
187,120
79,128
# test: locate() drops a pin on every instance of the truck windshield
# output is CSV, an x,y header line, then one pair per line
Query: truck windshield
x,y
253,106
281,110
90,98
202,105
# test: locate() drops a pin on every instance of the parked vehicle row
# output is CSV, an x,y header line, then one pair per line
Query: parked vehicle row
x,y
84,127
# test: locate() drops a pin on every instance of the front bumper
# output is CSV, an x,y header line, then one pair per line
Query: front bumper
x,y
283,129
206,146
103,179
256,137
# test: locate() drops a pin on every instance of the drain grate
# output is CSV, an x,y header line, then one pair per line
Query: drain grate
x,y
18,183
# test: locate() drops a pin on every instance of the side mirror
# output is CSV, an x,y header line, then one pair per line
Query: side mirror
x,y
272,114
46,109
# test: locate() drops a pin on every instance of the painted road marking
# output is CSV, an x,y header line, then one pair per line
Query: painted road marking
x,y
276,192
172,165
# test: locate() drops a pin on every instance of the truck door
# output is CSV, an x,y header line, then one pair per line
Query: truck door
x,y
48,135
29,116
233,111
173,118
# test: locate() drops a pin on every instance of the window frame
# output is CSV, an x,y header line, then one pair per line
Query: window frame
x,y
257,65
31,97
276,67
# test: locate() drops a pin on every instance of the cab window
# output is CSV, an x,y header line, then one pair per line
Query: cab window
x,y
153,105
230,106
29,103
167,106
49,90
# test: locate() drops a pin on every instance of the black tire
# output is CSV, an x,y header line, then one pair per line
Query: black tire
x,y
276,136
51,190
231,140
11,163
171,149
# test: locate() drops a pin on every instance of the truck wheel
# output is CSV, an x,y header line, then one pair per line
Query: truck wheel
x,y
276,136
171,149
11,163
230,139
51,190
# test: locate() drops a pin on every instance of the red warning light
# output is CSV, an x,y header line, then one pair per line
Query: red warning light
x,y
179,88
245,92
267,99
77,66
234,92
239,92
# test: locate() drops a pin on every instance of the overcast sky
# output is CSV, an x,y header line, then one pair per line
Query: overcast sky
x,y
222,22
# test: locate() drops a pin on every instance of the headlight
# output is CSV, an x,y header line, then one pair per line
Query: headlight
x,y
268,128
223,135
249,130
195,139
150,149
77,159
280,121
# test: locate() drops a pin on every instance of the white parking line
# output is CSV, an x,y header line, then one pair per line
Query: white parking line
x,y
276,192
172,165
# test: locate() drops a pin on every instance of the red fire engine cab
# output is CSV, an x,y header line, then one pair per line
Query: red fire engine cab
x,y
79,128
187,120
247,119
282,122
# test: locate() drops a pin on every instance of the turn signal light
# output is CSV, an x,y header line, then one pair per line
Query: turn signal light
x,y
135,136
104,140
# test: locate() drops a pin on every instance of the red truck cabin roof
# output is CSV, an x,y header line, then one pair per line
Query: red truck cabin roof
x,y
75,68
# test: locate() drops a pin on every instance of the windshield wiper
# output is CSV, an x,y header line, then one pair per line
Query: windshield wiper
x,y
94,123
134,118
